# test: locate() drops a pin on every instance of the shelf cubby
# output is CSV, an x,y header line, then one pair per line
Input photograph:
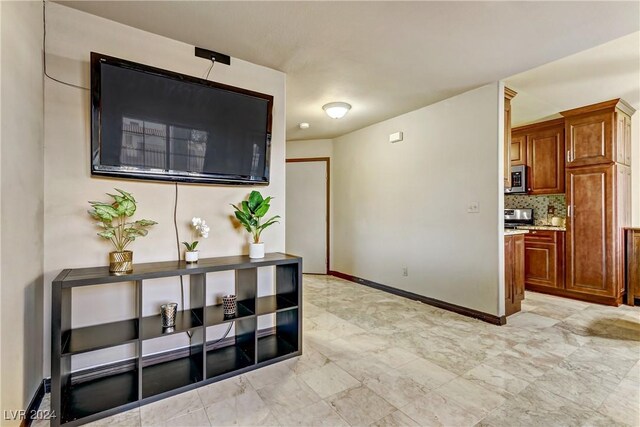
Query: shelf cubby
x,y
274,303
171,375
167,362
96,337
273,346
98,395
227,359
215,314
235,353
286,337
185,320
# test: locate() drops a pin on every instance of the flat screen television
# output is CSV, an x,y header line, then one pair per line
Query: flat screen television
x,y
149,123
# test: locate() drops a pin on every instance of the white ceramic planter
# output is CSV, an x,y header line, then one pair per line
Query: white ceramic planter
x,y
256,250
191,256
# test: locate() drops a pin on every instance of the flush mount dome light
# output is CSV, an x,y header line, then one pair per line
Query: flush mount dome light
x,y
336,110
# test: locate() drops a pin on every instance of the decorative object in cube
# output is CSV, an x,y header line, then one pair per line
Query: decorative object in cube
x,y
168,314
229,305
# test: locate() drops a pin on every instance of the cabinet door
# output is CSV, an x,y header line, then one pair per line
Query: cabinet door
x,y
590,139
633,265
623,204
590,245
620,137
627,140
545,159
518,150
518,269
540,264
509,296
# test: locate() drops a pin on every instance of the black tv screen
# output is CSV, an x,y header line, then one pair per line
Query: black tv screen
x,y
148,123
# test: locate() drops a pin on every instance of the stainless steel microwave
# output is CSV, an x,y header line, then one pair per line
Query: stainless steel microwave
x,y
518,180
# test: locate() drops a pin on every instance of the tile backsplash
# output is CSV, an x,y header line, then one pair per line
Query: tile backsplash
x,y
539,205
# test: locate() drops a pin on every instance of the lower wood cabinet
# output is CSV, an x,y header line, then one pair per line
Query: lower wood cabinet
x,y
544,260
514,272
633,264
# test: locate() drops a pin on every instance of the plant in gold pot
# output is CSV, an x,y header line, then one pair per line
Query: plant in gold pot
x,y
250,213
113,219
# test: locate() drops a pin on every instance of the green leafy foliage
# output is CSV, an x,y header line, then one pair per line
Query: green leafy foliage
x,y
250,213
190,246
112,219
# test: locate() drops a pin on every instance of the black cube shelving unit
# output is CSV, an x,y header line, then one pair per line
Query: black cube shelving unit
x,y
78,398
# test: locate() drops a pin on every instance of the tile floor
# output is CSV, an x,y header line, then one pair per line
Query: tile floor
x,y
371,358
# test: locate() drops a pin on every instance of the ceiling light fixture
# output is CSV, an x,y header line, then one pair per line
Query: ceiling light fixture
x,y
336,110
304,125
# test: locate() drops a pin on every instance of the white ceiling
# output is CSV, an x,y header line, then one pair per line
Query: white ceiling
x,y
608,71
384,58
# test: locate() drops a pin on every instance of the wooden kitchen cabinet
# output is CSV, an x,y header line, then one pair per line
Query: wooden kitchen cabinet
x,y
518,149
598,181
508,96
592,246
623,138
544,260
633,264
545,159
599,134
514,273
541,148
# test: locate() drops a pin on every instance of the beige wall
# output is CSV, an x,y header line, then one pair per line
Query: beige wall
x,y
405,204
309,148
21,213
70,239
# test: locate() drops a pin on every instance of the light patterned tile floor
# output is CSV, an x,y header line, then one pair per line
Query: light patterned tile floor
x,y
371,358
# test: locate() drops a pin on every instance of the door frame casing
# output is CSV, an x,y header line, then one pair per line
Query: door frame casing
x,y
327,161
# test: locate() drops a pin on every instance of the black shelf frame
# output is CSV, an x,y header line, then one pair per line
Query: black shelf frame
x,y
133,382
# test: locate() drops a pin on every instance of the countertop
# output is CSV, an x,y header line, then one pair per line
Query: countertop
x,y
541,227
513,232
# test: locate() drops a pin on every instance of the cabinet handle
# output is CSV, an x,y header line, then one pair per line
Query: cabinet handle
x,y
568,156
569,211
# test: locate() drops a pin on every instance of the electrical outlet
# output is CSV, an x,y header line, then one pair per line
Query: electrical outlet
x,y
405,271
473,207
551,209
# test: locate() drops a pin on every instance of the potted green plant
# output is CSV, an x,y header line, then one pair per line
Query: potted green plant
x,y
250,213
199,229
113,220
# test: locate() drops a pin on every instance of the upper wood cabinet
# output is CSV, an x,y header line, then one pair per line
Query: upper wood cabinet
x,y
598,134
623,137
508,96
518,149
540,146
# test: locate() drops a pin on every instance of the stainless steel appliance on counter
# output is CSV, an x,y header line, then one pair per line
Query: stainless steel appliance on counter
x,y
516,217
518,180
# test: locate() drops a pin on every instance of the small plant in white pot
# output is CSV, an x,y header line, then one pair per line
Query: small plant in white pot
x,y
113,219
250,213
199,229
